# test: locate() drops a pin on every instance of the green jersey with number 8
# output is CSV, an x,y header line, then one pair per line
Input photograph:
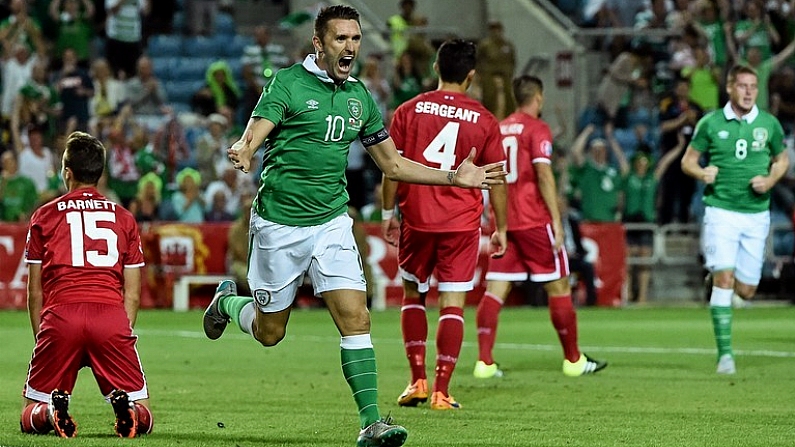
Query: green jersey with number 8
x,y
741,148
303,178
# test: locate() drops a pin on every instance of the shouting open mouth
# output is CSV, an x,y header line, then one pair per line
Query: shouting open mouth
x,y
345,63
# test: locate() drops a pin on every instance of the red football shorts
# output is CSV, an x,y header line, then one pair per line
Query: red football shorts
x,y
85,334
451,257
530,253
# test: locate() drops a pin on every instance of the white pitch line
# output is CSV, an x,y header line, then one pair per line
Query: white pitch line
x,y
513,346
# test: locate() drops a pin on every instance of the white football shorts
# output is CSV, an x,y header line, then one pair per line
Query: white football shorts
x,y
735,241
280,256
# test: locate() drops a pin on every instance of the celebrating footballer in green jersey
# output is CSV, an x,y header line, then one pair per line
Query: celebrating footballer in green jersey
x,y
310,114
745,154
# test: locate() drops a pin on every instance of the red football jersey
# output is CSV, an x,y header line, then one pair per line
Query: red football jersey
x,y
439,129
83,241
526,141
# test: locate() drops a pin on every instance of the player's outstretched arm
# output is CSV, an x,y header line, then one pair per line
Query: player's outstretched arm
x,y
467,175
241,153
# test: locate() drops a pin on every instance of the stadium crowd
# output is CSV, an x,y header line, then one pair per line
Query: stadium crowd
x,y
81,65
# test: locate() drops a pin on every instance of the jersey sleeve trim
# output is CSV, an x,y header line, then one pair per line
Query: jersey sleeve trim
x,y
373,139
542,160
135,266
33,261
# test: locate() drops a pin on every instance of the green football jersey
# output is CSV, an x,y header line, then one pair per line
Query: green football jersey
x,y
741,149
303,178
599,188
639,198
18,197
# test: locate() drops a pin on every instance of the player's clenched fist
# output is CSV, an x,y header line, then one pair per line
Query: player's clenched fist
x,y
241,152
710,172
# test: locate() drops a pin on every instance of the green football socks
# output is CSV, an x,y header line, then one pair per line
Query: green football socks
x,y
720,307
358,367
231,305
722,325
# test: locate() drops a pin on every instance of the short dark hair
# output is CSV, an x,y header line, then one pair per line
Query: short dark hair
x,y
85,157
525,87
334,12
738,70
455,59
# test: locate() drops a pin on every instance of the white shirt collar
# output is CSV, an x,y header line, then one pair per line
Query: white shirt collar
x,y
729,113
310,64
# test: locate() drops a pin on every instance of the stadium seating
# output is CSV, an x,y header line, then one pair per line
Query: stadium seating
x,y
182,91
179,22
238,43
224,24
164,45
163,67
200,46
181,62
191,68
236,66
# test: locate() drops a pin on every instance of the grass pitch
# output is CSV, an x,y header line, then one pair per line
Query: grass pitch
x,y
659,390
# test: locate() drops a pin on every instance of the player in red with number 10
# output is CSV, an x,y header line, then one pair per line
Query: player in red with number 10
x,y
84,281
535,235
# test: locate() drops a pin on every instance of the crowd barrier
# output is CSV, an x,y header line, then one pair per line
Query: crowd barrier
x,y
184,260
667,246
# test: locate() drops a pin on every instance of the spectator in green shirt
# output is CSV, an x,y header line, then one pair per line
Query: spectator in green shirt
x,y
18,197
599,184
75,30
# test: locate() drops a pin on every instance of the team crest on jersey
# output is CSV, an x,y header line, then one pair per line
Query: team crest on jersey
x,y
546,148
723,134
355,108
760,139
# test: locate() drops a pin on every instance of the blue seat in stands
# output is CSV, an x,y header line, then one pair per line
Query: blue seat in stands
x,y
200,46
235,46
164,67
224,24
182,91
236,66
191,68
164,45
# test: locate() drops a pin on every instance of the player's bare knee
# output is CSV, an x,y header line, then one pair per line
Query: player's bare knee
x,y
269,341
723,279
354,323
361,322
558,287
268,336
745,291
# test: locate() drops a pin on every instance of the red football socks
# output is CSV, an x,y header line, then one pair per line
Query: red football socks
x,y
415,333
449,337
487,318
564,319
